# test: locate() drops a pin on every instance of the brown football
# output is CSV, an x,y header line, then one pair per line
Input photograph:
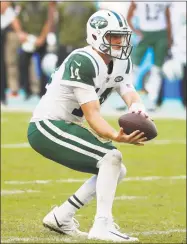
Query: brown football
x,y
133,121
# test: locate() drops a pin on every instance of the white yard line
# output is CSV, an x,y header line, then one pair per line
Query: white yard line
x,y
129,197
151,178
13,192
36,239
153,142
70,240
16,145
138,178
158,232
166,142
4,120
161,142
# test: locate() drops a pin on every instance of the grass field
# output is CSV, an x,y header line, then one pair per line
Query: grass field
x,y
150,202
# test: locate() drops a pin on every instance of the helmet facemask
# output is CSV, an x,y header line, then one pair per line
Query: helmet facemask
x,y
120,51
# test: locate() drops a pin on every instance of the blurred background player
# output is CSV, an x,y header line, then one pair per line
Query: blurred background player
x,y
175,68
72,17
34,20
49,61
154,30
9,20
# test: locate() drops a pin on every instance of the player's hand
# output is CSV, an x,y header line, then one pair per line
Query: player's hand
x,y
39,42
22,36
140,109
143,113
136,137
139,35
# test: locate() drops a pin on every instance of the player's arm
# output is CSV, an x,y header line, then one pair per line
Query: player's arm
x,y
169,31
42,37
134,102
11,19
131,98
130,15
81,77
4,5
92,114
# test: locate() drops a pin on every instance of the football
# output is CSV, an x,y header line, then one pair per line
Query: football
x,y
133,121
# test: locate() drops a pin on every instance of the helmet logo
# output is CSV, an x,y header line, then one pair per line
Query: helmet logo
x,y
98,22
118,79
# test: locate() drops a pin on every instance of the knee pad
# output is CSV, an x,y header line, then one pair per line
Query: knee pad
x,y
113,157
123,173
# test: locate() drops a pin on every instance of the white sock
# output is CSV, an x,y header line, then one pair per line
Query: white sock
x,y
109,170
84,195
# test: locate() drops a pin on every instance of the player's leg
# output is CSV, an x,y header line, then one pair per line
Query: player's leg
x,y
183,85
72,146
82,196
108,175
154,81
42,138
24,72
43,78
3,68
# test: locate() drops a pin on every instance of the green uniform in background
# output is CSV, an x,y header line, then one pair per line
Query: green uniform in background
x,y
73,17
152,22
33,16
158,41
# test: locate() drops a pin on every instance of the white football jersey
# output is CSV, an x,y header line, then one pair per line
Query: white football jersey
x,y
81,78
7,17
178,19
151,15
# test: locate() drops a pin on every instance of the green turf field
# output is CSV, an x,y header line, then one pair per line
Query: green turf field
x,y
150,203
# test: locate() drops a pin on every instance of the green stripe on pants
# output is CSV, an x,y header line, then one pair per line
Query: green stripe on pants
x,y
66,151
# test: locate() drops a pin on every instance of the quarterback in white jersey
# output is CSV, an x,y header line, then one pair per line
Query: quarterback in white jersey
x,y
76,90
83,77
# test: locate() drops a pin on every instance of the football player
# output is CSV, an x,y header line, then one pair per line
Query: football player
x,y
175,68
56,130
154,31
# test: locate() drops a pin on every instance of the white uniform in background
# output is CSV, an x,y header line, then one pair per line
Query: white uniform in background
x,y
7,17
173,68
178,18
151,15
151,18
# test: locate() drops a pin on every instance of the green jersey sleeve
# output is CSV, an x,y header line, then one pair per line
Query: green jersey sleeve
x,y
79,71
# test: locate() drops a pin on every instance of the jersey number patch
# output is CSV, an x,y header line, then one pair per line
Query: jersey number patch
x,y
74,73
153,11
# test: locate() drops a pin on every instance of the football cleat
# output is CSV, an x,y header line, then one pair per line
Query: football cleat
x,y
106,230
67,226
